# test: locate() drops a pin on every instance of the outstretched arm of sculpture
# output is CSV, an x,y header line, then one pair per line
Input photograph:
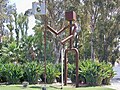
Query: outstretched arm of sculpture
x,y
66,39
64,28
61,30
52,30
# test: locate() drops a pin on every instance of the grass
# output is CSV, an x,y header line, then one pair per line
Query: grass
x,y
38,87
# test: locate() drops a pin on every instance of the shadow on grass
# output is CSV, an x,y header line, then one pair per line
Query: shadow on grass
x,y
55,87
32,87
35,87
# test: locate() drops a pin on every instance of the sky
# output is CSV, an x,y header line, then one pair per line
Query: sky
x,y
22,6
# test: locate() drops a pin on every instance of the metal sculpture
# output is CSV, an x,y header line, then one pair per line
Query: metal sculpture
x,y
70,16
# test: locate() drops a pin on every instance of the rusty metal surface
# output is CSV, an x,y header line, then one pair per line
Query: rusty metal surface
x,y
76,62
70,16
66,39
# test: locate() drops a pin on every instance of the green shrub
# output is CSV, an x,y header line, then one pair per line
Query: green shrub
x,y
52,72
108,70
95,72
2,73
92,72
12,73
58,66
32,72
71,72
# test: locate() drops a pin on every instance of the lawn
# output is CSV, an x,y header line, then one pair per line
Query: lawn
x,y
38,87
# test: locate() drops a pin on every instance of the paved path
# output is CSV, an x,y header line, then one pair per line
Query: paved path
x,y
115,82
116,68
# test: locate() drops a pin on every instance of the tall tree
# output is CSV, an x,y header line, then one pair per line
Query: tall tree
x,y
3,4
104,27
38,41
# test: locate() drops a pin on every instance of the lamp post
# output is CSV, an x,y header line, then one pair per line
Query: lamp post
x,y
44,88
45,21
62,55
104,58
92,31
0,41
